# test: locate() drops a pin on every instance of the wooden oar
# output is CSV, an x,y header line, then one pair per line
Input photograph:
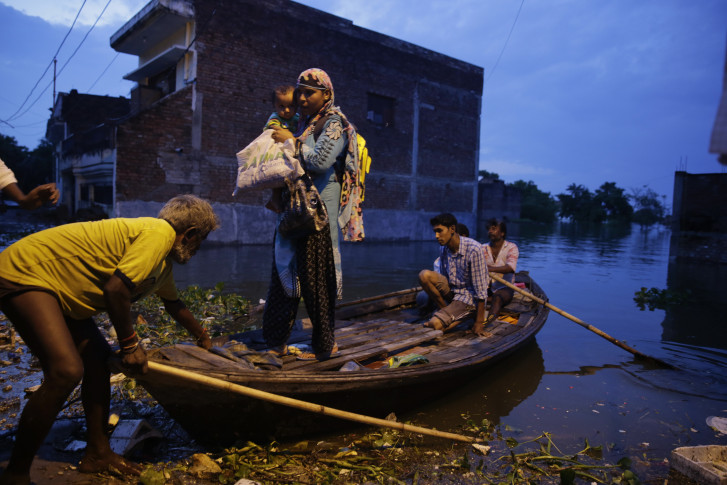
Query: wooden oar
x,y
298,404
580,322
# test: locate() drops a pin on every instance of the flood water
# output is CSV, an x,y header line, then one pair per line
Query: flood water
x,y
571,382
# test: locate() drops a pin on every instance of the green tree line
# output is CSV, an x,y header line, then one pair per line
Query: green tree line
x,y
609,203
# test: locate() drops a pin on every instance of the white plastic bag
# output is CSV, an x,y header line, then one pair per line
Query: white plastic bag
x,y
265,164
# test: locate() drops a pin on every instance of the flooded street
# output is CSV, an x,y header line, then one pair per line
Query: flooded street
x,y
570,382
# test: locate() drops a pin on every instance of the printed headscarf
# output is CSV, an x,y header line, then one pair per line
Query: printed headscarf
x,y
349,211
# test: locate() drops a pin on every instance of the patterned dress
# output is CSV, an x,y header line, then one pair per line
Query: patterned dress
x,y
310,267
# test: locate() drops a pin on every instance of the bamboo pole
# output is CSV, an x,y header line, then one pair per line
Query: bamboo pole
x,y
580,322
298,404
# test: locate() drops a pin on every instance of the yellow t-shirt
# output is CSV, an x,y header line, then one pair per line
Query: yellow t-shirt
x,y
76,260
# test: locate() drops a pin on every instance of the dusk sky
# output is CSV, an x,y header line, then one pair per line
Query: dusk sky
x,y
576,91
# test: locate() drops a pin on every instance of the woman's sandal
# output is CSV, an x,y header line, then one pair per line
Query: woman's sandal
x,y
322,356
279,351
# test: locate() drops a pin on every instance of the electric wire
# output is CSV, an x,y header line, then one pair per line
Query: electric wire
x,y
11,117
492,71
103,72
67,60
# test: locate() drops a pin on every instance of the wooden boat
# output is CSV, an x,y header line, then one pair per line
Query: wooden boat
x,y
371,334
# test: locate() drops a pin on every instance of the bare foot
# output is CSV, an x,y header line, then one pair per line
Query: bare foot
x,y
480,331
108,463
434,323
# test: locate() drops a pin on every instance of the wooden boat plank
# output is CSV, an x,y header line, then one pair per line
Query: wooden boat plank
x,y
393,331
358,326
364,330
374,306
366,352
191,355
359,349
456,355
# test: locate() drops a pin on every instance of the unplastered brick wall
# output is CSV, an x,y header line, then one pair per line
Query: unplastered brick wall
x,y
245,48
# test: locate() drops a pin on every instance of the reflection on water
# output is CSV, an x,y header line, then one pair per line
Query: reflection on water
x,y
702,321
493,395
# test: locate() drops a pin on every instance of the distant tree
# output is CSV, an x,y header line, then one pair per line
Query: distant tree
x,y
12,153
536,205
579,205
31,168
484,174
649,209
613,203
37,168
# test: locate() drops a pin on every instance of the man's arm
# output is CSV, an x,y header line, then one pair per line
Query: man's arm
x,y
505,268
35,198
181,314
118,305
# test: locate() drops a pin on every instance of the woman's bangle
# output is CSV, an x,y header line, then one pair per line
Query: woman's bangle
x,y
130,337
130,349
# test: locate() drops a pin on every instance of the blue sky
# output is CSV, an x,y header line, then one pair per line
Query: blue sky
x,y
576,91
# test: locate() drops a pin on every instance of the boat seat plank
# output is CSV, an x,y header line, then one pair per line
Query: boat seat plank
x,y
417,336
364,330
357,326
193,356
484,349
346,312
392,331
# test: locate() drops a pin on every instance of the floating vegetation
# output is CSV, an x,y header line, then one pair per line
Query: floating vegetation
x,y
219,312
654,298
392,457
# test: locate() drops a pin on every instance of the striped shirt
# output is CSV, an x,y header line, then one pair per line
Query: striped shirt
x,y
465,270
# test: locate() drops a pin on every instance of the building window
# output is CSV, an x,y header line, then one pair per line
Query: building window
x,y
380,110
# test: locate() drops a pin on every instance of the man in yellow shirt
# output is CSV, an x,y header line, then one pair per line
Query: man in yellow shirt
x,y
54,281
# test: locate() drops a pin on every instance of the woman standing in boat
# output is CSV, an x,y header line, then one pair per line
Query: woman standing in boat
x,y
310,266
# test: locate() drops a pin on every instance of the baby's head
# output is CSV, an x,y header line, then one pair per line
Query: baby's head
x,y
284,101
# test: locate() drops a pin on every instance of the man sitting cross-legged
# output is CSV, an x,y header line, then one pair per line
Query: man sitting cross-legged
x,y
460,287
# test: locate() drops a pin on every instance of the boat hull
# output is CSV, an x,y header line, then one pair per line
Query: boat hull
x,y
222,417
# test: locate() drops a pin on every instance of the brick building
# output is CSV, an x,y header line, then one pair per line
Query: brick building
x,y
205,76
497,200
82,130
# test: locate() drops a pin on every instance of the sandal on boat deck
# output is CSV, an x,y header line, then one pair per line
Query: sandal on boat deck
x,y
279,351
322,356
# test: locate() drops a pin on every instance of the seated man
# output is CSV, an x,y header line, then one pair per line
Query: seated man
x,y
34,199
459,288
54,281
501,257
